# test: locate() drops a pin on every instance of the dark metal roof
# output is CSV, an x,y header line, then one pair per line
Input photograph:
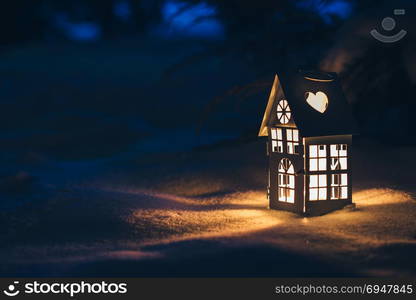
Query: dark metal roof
x,y
337,119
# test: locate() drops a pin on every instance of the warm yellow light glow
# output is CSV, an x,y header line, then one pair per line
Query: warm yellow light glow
x,y
318,80
286,181
242,219
381,196
318,101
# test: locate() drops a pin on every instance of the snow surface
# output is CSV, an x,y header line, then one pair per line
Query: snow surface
x,y
209,217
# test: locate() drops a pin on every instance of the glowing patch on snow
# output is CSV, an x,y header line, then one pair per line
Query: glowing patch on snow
x,y
380,196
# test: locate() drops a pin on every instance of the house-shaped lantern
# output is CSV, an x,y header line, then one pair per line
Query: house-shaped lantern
x,y
309,126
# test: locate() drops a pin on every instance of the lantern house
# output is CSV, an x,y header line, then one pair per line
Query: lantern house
x,y
309,126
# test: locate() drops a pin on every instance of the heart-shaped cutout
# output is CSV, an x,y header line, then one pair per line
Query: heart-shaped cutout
x,y
318,101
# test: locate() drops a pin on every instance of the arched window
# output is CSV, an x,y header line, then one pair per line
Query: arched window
x,y
286,181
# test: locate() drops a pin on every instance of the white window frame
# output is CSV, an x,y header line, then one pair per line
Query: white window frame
x,y
339,157
339,186
286,181
317,158
292,137
318,187
277,139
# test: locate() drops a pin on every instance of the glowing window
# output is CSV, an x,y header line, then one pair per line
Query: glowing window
x,y
339,186
292,136
283,112
313,151
295,135
289,134
286,181
338,154
317,187
274,134
317,158
277,140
